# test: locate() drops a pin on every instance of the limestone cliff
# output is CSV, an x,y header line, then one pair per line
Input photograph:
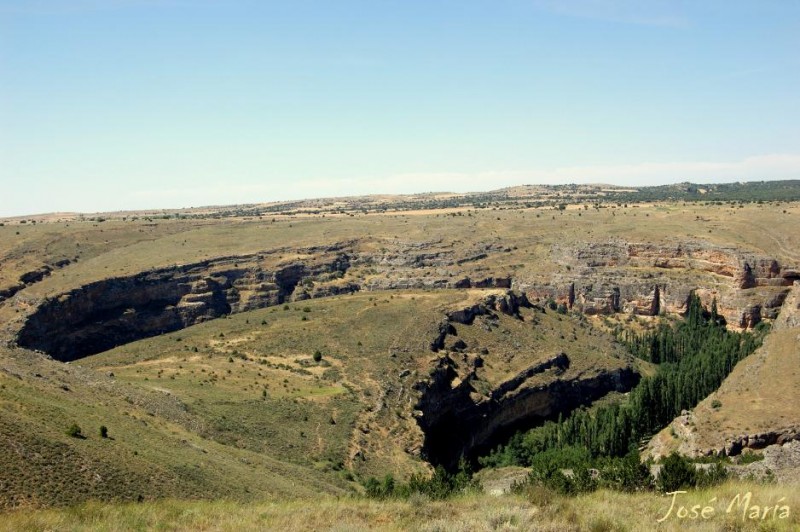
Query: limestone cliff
x,y
596,278
754,407
649,279
459,421
104,314
463,411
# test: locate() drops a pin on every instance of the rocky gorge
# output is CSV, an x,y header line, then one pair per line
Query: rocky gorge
x,y
461,416
648,279
592,278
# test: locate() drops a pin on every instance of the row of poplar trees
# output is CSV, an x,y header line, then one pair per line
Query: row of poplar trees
x,y
693,358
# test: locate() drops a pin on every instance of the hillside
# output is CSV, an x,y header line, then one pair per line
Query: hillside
x,y
751,410
153,449
242,395
292,350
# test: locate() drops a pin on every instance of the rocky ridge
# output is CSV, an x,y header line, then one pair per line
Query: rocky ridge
x,y
459,417
600,278
649,279
32,277
111,312
745,394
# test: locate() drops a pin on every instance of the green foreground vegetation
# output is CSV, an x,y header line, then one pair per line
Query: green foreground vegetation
x,y
768,507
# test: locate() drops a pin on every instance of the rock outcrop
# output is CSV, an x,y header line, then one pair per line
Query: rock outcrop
x,y
751,409
601,278
508,303
650,279
789,316
760,440
31,277
459,421
111,312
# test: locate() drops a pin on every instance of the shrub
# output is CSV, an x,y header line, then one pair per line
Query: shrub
x,y
74,431
372,487
103,431
716,474
440,486
317,355
676,473
749,458
564,471
625,474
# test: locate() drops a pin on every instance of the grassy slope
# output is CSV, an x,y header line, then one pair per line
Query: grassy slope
x,y
152,451
758,396
237,408
754,397
25,248
253,380
159,439
600,511
120,248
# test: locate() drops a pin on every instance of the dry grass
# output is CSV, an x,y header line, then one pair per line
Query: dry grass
x,y
252,377
238,408
156,446
601,511
753,397
200,431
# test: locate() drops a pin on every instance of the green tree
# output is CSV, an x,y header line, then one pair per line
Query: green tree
x,y
676,473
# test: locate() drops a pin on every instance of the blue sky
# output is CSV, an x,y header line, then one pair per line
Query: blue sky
x,y
125,104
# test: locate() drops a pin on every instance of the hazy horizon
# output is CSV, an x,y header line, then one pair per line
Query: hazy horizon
x,y
367,194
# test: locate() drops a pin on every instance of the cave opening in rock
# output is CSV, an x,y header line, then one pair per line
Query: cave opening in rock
x,y
455,426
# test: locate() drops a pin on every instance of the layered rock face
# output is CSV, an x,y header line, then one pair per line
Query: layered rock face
x,y
600,278
459,413
104,314
430,265
459,418
789,317
460,422
648,279
751,409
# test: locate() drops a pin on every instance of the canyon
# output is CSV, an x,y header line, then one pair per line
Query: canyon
x,y
461,419
474,325
599,279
